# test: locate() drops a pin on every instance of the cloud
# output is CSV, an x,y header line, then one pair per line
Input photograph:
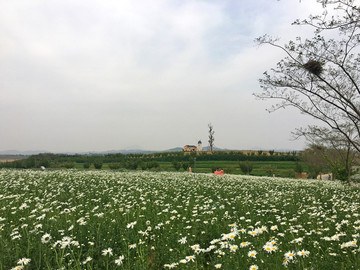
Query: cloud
x,y
150,73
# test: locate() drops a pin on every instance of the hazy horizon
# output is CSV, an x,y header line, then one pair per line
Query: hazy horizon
x,y
79,76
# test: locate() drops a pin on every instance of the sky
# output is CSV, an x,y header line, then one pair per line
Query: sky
x,y
95,75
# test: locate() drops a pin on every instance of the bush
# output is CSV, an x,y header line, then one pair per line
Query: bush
x,y
185,166
98,165
68,165
153,164
114,166
176,165
270,170
298,168
246,167
86,165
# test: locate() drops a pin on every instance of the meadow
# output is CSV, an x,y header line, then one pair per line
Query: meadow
x,y
74,219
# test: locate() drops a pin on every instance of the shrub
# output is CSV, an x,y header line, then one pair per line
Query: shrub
x,y
98,165
68,165
246,167
114,166
86,165
176,165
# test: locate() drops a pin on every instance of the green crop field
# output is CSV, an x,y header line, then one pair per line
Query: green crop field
x,y
282,168
101,219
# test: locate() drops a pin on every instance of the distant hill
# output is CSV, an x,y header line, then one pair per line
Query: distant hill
x,y
122,151
4,158
25,153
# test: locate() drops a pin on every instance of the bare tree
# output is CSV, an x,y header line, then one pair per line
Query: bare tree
x,y
211,137
320,76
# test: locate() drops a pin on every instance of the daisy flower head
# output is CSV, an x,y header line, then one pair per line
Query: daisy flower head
x,y
23,261
272,242
107,251
232,235
183,240
268,248
88,259
233,248
190,258
131,225
252,253
45,238
218,266
262,229
244,244
303,253
120,260
253,232
290,255
132,246
253,267
170,266
18,267
195,247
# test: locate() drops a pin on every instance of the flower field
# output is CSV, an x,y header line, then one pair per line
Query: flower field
x,y
144,220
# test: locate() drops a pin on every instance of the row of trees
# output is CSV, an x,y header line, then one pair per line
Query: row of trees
x,y
68,161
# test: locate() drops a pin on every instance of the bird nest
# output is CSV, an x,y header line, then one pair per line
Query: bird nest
x,y
314,67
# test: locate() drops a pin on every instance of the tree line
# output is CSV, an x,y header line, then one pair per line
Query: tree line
x,y
144,161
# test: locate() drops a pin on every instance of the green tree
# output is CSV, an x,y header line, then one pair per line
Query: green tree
x,y
176,165
114,166
246,167
270,170
298,167
98,165
68,165
86,165
314,158
185,166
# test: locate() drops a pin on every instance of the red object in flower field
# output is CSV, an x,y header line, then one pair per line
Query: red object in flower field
x,y
217,172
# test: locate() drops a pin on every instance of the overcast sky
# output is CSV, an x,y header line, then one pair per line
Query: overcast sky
x,y
95,75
